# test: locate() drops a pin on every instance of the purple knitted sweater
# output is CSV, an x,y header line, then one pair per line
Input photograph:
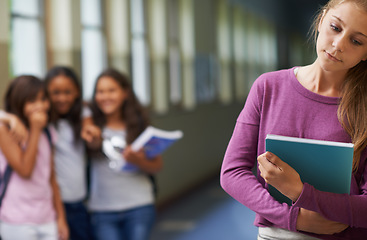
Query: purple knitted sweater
x,y
279,104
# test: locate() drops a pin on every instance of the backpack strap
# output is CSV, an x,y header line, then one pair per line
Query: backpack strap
x,y
4,180
48,134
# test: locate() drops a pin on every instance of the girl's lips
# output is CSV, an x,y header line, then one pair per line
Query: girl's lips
x,y
332,58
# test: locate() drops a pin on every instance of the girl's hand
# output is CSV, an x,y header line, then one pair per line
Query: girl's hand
x,y
17,129
63,229
38,119
140,160
91,133
313,222
133,157
280,175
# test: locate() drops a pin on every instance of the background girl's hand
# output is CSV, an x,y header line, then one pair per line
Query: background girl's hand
x,y
313,222
280,175
17,129
91,133
139,159
134,157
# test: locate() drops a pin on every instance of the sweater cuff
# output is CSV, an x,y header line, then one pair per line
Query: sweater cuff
x,y
294,211
303,197
293,216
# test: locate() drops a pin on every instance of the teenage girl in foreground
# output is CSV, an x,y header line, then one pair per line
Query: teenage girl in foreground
x,y
121,202
67,115
326,100
32,208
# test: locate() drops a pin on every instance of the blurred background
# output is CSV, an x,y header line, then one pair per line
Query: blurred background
x,y
192,62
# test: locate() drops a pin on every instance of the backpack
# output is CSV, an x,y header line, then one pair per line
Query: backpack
x,y
4,179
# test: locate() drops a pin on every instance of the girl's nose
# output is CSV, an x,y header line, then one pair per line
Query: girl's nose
x,y
62,97
339,43
40,105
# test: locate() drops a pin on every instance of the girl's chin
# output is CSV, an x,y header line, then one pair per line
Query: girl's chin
x,y
108,112
62,110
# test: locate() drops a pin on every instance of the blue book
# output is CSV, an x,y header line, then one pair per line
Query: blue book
x,y
155,141
152,140
326,165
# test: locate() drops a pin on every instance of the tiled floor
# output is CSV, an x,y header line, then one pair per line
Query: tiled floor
x,y
206,214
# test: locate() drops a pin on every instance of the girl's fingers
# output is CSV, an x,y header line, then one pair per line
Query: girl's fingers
x,y
267,161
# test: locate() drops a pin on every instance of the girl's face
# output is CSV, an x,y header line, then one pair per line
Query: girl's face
x,y
109,96
63,93
342,40
39,104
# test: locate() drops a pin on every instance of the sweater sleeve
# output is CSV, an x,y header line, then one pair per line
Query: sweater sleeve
x,y
237,177
351,209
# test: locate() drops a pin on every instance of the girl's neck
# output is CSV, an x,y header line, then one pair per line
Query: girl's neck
x,y
115,121
317,80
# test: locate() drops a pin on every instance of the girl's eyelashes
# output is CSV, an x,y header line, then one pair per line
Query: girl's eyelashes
x,y
335,28
356,42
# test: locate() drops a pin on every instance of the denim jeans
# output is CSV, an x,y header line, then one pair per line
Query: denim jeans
x,y
78,220
132,224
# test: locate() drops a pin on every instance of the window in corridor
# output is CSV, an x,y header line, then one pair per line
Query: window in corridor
x,y
94,58
27,38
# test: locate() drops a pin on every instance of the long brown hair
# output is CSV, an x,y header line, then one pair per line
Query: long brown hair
x,y
132,112
21,90
352,111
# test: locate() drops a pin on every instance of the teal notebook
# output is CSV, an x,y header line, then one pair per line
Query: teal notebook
x,y
325,165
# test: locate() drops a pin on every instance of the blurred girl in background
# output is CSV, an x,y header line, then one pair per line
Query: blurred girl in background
x,y
122,201
67,114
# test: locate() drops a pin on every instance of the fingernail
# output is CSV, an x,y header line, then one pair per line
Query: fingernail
x,y
269,154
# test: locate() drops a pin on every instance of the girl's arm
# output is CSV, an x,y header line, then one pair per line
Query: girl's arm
x,y
344,209
237,177
348,209
59,207
22,161
91,134
139,159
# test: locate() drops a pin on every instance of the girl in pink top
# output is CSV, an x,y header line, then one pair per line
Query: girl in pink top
x,y
31,208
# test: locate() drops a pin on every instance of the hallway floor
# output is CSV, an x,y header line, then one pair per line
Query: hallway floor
x,y
207,214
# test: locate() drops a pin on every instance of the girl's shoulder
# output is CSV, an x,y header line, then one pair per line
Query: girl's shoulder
x,y
276,76
280,80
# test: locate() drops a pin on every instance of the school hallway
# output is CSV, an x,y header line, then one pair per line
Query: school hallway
x,y
208,213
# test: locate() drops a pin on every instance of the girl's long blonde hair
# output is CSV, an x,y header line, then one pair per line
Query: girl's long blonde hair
x,y
352,111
